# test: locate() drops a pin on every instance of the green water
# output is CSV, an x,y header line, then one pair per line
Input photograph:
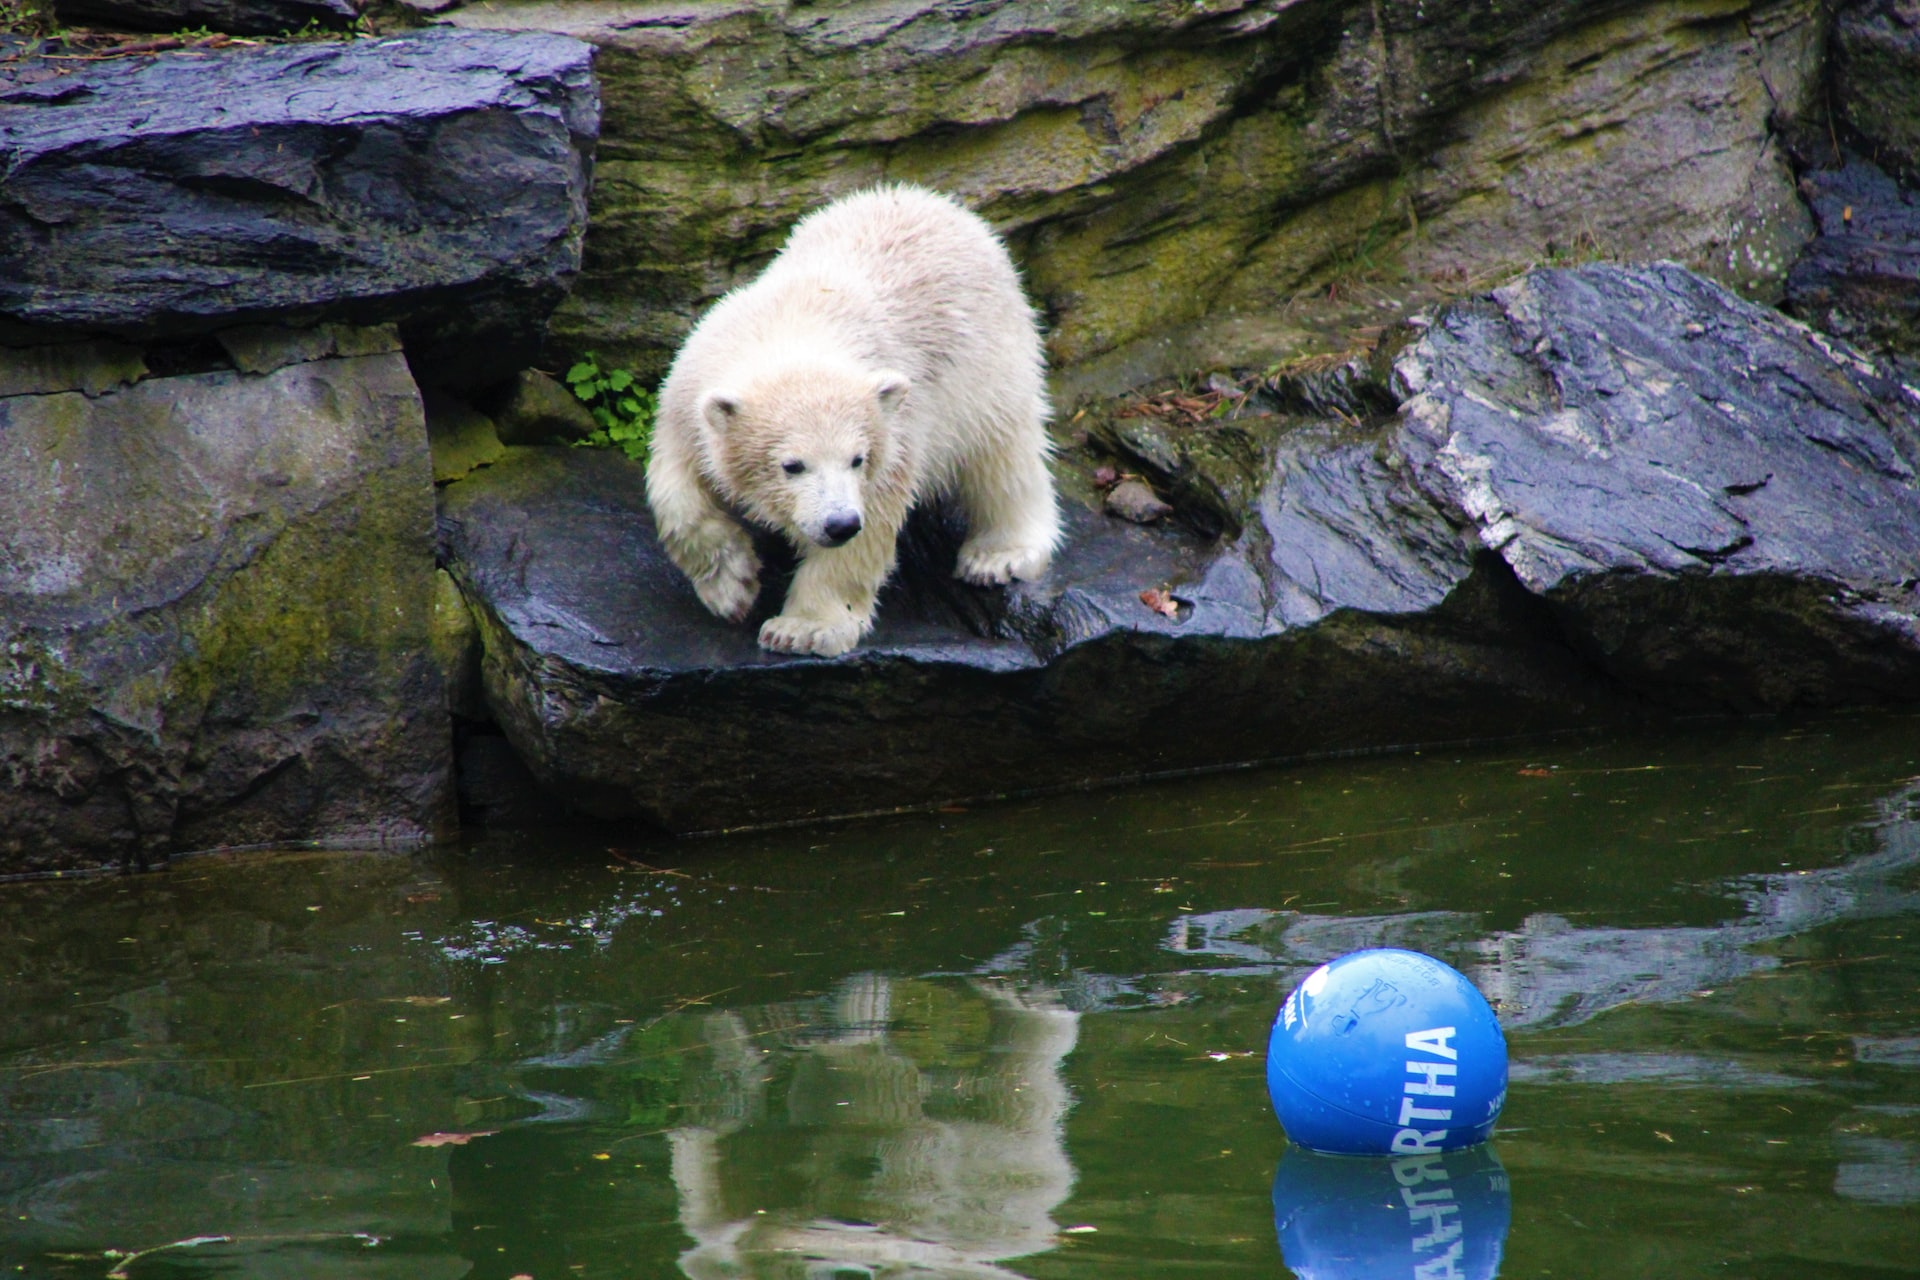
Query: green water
x,y
1017,1041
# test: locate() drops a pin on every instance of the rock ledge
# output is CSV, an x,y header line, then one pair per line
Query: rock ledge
x,y
1609,495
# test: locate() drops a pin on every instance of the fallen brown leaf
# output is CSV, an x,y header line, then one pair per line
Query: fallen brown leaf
x,y
1160,602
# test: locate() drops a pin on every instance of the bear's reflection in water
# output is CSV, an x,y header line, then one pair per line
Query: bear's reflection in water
x,y
917,1134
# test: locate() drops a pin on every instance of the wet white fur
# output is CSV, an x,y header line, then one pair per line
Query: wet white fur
x,y
891,329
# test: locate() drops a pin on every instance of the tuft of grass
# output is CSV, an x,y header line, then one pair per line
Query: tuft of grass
x,y
623,408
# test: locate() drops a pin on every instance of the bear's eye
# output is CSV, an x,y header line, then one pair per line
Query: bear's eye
x,y
794,467
858,459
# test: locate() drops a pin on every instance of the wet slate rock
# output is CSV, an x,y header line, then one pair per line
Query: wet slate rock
x,y
627,699
235,17
1610,495
1343,529
1718,504
437,179
1859,279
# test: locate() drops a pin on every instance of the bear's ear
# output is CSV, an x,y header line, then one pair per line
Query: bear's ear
x,y
890,388
720,409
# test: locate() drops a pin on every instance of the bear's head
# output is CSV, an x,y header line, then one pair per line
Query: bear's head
x,y
801,448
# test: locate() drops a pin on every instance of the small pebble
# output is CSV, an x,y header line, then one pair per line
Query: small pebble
x,y
1133,500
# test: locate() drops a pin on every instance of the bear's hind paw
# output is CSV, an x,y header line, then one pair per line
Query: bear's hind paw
x,y
786,633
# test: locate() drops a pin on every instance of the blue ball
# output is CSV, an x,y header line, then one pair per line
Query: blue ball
x,y
1386,1052
1441,1215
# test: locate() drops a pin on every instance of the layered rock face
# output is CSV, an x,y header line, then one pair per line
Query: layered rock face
x,y
1606,494
219,609
1195,182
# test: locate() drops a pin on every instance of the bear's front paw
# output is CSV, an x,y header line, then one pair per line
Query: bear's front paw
x,y
996,566
731,588
790,633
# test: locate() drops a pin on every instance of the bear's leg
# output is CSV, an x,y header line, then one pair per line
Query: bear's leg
x,y
700,537
830,604
1013,523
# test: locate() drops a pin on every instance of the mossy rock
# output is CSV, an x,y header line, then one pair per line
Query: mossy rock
x,y
1189,183
217,605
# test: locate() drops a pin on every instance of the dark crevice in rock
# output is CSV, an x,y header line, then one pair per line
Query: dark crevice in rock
x,y
1876,81
186,356
496,788
1718,554
235,17
1353,390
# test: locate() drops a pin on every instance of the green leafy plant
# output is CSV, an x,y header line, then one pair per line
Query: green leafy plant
x,y
314,33
26,18
623,408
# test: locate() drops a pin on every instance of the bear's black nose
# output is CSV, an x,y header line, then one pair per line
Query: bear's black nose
x,y
841,528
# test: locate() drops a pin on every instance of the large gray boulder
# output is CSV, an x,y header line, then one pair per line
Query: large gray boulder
x,y
1610,494
437,179
1718,505
216,602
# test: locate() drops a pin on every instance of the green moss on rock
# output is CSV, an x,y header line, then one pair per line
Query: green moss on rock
x,y
89,367
1175,178
218,591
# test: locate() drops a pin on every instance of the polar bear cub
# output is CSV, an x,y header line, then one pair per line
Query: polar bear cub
x,y
886,356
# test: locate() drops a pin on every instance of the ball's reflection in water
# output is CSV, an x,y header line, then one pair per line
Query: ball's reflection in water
x,y
1426,1217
